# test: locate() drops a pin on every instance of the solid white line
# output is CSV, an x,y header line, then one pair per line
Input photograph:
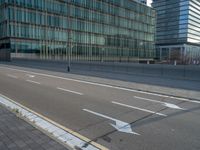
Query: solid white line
x,y
66,90
103,85
141,109
12,76
101,115
33,81
147,99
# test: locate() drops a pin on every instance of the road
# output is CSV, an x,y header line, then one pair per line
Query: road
x,y
117,118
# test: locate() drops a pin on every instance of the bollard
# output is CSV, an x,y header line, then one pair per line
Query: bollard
x,y
175,63
68,68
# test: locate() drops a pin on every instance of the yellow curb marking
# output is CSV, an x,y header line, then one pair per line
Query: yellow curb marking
x,y
87,140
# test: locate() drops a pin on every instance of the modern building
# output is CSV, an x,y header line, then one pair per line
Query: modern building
x,y
92,30
178,30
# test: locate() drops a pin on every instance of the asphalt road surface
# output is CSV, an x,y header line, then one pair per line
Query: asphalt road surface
x,y
117,118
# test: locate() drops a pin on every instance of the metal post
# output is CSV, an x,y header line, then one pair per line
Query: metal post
x,y
69,51
69,41
102,54
120,51
45,49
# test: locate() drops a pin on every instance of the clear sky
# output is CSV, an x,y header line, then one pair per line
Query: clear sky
x,y
149,2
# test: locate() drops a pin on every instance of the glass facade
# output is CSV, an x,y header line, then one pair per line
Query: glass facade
x,y
142,1
96,30
178,28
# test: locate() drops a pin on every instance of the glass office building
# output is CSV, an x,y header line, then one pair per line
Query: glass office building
x,y
178,30
92,30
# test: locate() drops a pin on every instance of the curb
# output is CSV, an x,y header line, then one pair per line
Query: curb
x,y
68,138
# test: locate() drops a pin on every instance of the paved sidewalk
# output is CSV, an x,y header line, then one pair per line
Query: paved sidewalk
x,y
16,134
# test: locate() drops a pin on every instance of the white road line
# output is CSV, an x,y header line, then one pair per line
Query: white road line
x,y
12,76
66,90
169,105
147,99
172,97
141,109
103,85
119,125
33,81
30,75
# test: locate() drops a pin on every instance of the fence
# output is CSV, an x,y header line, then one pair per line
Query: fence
x,y
191,72
169,70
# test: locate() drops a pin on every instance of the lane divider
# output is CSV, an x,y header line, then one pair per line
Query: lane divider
x,y
61,133
70,91
137,108
30,75
169,105
31,81
12,76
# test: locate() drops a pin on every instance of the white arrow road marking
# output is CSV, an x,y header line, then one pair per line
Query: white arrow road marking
x,y
173,106
169,105
70,91
30,75
145,110
119,125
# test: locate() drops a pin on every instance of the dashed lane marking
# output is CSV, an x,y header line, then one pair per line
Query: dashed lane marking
x,y
70,91
169,105
137,108
31,81
30,75
12,76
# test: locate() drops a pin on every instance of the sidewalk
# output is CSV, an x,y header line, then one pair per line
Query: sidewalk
x,y
16,134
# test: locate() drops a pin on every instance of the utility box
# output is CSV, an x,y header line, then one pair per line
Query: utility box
x,y
5,55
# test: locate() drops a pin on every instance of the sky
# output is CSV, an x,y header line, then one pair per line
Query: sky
x,y
149,2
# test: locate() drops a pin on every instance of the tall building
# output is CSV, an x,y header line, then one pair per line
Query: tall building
x,y
93,30
178,30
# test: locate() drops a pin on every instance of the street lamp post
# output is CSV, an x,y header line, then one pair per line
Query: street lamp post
x,y
69,51
69,41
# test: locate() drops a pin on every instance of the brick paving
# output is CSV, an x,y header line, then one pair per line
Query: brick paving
x,y
16,134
